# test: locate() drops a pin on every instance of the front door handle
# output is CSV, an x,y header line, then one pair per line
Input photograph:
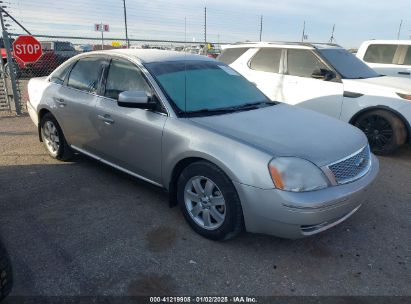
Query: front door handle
x,y
404,73
61,102
106,118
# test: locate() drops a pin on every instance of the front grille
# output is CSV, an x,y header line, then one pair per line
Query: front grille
x,y
352,167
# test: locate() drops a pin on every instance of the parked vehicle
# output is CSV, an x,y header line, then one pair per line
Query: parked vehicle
x,y
328,79
6,277
192,125
213,53
84,48
387,57
18,64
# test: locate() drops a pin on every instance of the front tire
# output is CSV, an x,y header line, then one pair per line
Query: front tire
x,y
384,130
209,201
6,277
53,138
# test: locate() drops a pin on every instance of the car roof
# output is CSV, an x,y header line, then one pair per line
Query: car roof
x,y
153,55
283,44
402,42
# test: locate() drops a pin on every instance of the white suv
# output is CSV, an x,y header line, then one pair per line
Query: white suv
x,y
328,79
388,57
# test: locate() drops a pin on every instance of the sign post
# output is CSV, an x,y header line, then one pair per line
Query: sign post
x,y
101,28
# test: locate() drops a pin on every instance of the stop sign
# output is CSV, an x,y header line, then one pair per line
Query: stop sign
x,y
27,49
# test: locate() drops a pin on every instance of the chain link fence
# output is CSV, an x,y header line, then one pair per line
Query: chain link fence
x,y
57,49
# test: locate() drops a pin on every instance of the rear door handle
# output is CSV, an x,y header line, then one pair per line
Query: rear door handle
x,y
404,73
106,118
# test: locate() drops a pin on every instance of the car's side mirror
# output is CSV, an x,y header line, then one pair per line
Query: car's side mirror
x,y
135,99
323,74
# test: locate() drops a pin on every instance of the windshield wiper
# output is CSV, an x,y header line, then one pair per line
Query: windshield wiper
x,y
243,107
210,112
253,105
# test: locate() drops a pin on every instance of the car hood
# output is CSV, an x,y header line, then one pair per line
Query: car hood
x,y
384,83
283,130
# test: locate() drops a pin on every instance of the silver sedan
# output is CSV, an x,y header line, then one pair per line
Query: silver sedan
x,y
231,158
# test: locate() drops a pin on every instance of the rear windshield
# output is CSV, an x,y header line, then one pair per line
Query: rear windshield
x,y
203,85
228,56
347,65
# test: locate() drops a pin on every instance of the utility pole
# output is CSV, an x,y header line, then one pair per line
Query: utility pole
x,y
102,35
185,33
16,96
205,24
332,39
399,31
303,36
125,23
261,26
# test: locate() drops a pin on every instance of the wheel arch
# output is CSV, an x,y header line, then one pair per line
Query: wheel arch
x,y
177,169
386,108
41,114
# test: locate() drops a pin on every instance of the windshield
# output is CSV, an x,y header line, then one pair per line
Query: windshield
x,y
204,86
349,66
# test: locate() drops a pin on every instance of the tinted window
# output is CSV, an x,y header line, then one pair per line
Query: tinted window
x,y
85,75
63,46
380,53
346,64
204,85
407,60
228,56
60,74
124,76
303,63
267,60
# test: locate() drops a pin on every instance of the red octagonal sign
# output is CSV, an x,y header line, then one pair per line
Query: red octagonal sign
x,y
27,49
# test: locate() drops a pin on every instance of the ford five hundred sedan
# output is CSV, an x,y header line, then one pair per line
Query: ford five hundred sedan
x,y
230,157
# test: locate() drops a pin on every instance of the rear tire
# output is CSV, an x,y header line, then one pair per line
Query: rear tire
x,y
385,131
209,201
53,138
6,276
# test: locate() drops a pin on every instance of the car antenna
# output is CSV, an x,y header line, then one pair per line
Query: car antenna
x,y
185,64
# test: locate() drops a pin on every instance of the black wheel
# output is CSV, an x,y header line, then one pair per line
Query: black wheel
x,y
209,201
384,130
53,138
6,277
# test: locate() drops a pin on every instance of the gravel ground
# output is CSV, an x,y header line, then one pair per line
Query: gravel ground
x,y
82,228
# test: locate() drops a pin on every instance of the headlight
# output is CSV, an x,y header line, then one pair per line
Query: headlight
x,y
296,175
405,96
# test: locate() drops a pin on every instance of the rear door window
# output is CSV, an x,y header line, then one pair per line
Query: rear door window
x,y
228,56
60,74
303,63
86,74
381,53
267,60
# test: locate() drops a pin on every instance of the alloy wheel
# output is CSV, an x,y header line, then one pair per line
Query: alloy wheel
x,y
378,130
205,202
51,137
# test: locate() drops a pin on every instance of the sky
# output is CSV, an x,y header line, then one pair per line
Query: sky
x,y
227,20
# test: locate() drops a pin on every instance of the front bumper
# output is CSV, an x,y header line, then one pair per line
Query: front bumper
x,y
296,215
